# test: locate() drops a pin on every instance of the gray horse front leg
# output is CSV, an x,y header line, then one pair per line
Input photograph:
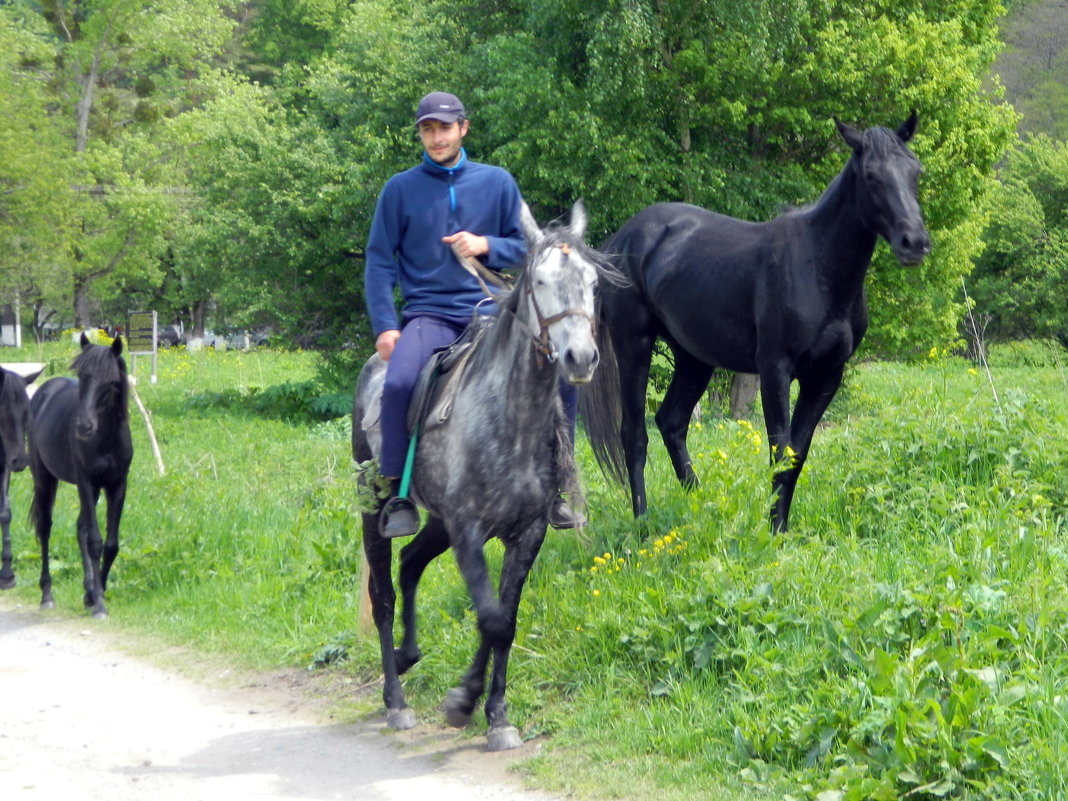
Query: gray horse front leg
x,y
379,553
428,545
518,559
493,623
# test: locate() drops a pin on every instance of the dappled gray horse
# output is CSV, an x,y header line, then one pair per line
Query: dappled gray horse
x,y
489,467
14,421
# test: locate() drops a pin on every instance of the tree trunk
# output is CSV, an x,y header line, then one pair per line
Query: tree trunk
x,y
197,314
81,304
744,388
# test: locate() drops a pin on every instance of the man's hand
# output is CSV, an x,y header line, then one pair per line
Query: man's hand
x,y
385,342
468,244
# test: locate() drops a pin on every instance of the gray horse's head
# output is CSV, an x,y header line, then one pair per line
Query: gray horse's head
x,y
561,278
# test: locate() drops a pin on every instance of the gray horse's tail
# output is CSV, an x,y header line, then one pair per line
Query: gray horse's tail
x,y
601,408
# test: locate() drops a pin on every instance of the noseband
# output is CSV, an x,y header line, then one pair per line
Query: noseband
x,y
542,343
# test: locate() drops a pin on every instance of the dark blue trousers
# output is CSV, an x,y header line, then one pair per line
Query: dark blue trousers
x,y
419,338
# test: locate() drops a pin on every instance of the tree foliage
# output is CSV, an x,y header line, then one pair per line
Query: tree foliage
x,y
255,199
1034,65
35,190
1020,278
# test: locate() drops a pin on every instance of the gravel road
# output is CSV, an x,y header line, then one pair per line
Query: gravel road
x,y
83,720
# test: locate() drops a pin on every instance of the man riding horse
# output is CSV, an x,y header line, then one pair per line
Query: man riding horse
x,y
427,217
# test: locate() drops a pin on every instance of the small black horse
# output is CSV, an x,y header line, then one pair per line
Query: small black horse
x,y
488,464
80,433
14,420
784,299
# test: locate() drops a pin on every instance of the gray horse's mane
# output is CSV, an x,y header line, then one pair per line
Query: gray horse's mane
x,y
556,234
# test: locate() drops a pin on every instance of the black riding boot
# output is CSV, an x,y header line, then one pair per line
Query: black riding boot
x,y
399,517
562,516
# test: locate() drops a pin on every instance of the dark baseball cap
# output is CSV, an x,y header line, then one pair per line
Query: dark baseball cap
x,y
439,106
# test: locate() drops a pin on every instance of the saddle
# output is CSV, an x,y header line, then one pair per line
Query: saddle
x,y
438,381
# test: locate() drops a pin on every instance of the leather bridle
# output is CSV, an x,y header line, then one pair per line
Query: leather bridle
x,y
542,342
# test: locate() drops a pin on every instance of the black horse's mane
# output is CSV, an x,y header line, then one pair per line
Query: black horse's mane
x,y
879,142
10,386
101,362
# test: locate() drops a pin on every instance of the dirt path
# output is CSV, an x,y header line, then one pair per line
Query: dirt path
x,y
81,720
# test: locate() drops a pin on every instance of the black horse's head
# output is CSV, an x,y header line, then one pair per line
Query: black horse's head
x,y
886,174
102,385
14,419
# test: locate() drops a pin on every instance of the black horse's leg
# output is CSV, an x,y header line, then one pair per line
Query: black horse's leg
x,y
813,398
379,553
115,496
430,543
673,417
634,350
775,400
7,575
92,548
518,559
44,498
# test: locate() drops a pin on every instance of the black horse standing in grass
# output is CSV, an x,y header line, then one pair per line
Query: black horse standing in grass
x,y
784,299
80,433
489,463
14,420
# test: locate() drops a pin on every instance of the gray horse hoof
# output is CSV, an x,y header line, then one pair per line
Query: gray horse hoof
x,y
455,716
400,719
100,614
7,583
502,738
49,604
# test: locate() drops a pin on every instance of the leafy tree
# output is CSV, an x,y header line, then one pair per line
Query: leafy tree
x,y
1034,65
730,105
35,168
1019,279
119,68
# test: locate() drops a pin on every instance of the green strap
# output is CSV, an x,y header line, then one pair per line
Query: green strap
x,y
409,460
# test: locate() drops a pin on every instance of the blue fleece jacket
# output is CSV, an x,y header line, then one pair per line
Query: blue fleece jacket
x,y
418,207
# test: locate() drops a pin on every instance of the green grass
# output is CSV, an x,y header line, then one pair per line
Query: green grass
x,y
905,638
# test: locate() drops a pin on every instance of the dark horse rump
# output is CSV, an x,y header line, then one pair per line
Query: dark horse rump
x,y
784,299
80,434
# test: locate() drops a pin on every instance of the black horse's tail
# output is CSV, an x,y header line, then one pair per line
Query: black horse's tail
x,y
601,408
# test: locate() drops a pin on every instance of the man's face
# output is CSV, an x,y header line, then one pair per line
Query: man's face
x,y
442,140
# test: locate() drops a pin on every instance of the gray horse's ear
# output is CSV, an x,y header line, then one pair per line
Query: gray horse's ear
x,y
852,136
578,219
116,346
906,129
29,379
84,341
531,230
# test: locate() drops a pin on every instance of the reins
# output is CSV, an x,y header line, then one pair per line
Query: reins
x,y
542,343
